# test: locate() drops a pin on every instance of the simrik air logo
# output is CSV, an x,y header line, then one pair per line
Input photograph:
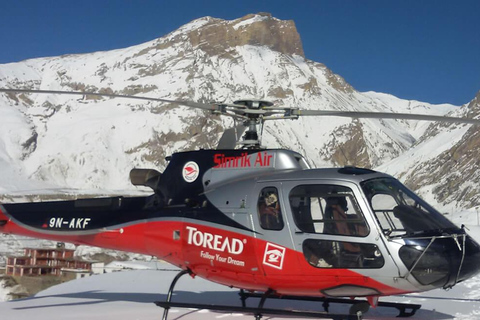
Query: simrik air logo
x,y
190,171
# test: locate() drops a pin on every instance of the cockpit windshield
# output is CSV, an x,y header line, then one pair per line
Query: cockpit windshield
x,y
399,211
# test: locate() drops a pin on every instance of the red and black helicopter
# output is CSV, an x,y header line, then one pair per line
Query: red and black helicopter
x,y
263,221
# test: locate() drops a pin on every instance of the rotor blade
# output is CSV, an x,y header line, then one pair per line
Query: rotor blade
x,y
382,115
230,137
192,104
266,111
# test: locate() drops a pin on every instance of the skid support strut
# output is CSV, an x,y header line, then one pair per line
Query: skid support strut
x,y
170,292
258,315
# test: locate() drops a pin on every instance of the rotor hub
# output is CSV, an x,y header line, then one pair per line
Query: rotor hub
x,y
254,104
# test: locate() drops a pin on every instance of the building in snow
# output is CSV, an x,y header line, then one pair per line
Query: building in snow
x,y
42,261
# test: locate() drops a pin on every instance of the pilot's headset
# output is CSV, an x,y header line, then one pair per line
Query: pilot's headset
x,y
341,201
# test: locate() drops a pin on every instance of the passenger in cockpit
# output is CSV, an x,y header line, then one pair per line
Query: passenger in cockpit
x,y
270,212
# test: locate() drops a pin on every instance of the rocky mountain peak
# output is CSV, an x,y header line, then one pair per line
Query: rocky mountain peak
x,y
217,36
474,106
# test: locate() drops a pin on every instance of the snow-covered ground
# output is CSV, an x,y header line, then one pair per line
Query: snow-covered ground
x,y
130,295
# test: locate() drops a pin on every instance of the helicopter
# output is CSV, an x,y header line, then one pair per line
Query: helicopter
x,y
263,221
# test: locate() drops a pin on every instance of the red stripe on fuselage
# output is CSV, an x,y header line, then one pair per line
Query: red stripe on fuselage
x,y
227,257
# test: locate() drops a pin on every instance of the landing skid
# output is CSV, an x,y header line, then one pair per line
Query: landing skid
x,y
405,309
260,312
358,308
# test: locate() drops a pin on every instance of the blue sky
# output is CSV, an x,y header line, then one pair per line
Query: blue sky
x,y
424,50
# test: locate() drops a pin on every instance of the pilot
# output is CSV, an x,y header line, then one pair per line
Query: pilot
x,y
346,224
338,208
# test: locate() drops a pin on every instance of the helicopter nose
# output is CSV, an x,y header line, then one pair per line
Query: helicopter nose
x,y
442,261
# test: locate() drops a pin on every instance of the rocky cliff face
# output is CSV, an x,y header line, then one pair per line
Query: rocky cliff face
x,y
218,37
452,173
92,143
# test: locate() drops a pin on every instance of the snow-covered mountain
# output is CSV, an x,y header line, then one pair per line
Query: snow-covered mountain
x,y
443,165
91,143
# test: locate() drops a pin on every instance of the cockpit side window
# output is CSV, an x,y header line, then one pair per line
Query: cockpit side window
x,y
327,209
400,212
269,210
383,205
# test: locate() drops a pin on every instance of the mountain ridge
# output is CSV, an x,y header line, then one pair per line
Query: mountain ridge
x,y
86,142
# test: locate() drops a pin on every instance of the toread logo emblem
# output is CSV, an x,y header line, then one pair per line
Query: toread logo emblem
x,y
274,256
190,171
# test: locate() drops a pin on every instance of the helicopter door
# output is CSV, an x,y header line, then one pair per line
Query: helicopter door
x,y
330,228
273,232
